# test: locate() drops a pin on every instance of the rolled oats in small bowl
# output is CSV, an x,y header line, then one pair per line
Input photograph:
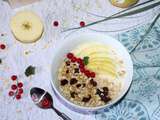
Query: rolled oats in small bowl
x,y
91,71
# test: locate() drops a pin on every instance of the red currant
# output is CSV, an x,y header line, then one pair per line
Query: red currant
x,y
70,55
74,59
2,46
13,77
20,91
82,23
55,23
20,84
87,73
14,87
11,93
81,65
18,96
92,74
82,69
80,61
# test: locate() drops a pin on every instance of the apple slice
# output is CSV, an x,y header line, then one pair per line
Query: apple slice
x,y
101,59
103,70
26,26
87,49
109,66
123,3
104,63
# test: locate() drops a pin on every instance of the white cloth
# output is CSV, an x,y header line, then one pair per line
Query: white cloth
x,y
69,13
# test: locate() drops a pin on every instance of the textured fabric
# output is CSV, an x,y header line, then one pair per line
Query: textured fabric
x,y
142,102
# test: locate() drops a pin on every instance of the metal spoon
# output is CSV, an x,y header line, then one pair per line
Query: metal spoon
x,y
44,100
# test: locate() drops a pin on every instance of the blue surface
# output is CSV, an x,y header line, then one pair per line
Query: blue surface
x,y
142,102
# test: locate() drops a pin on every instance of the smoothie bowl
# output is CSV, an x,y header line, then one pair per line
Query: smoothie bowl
x,y
90,71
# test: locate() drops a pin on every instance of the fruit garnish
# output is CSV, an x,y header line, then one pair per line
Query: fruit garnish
x,y
70,55
2,46
103,68
20,91
82,69
67,63
123,3
82,23
18,96
55,23
102,58
81,66
20,84
73,81
30,70
14,87
64,82
86,60
76,70
80,61
78,85
67,71
26,26
73,94
83,85
105,99
92,74
90,49
92,82
105,90
86,99
104,94
14,77
87,73
11,93
74,59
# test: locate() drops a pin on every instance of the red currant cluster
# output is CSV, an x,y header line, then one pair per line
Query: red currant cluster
x,y
82,68
16,89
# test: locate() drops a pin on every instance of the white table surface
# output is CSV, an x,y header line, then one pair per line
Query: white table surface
x,y
69,13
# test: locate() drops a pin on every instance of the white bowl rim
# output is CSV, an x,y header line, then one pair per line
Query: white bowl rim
x,y
73,36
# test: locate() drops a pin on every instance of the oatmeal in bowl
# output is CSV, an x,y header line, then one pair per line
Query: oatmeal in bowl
x,y
92,73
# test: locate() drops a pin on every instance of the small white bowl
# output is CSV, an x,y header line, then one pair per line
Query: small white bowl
x,y
66,45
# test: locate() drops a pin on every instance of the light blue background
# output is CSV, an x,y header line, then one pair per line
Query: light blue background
x,y
142,102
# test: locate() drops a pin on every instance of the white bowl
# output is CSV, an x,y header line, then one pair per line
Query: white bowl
x,y
66,45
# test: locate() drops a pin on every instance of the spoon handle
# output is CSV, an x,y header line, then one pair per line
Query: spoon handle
x,y
62,115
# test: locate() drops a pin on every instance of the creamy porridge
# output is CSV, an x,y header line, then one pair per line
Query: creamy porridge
x,y
91,75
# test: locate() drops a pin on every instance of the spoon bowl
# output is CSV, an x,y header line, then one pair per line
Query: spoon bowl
x,y
44,100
